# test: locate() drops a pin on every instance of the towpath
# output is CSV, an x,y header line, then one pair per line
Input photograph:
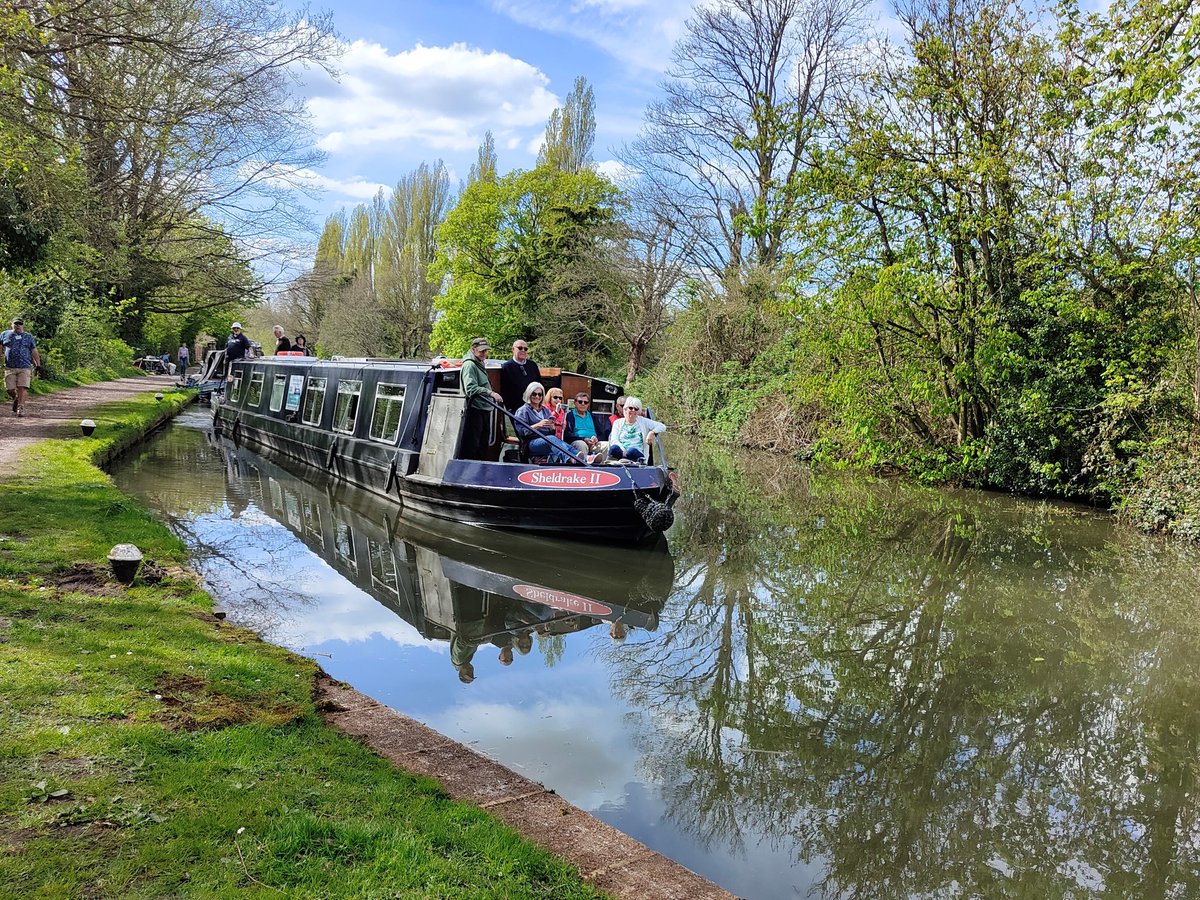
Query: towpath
x,y
52,415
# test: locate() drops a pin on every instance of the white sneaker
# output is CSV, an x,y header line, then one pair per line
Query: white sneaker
x,y
20,411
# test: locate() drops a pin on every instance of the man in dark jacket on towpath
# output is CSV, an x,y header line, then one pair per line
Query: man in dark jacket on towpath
x,y
477,390
516,374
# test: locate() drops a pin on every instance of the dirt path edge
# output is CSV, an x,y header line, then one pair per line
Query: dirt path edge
x,y
606,858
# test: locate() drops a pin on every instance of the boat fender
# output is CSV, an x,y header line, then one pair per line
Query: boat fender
x,y
657,516
391,479
236,434
331,455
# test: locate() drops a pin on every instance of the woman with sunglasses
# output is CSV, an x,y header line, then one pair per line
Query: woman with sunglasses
x,y
533,420
558,410
630,434
586,432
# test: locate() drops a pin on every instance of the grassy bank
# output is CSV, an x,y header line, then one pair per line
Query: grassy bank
x,y
148,750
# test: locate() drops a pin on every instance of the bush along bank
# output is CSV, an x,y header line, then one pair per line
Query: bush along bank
x,y
1065,396
146,749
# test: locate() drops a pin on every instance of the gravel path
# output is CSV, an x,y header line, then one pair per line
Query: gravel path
x,y
58,414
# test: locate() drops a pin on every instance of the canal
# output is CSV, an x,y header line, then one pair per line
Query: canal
x,y
829,686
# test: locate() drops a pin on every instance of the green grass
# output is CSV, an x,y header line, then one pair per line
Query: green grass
x,y
147,751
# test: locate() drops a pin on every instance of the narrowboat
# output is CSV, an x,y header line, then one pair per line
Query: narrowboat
x,y
438,576
394,427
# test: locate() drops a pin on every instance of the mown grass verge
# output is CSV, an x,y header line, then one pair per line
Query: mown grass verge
x,y
148,750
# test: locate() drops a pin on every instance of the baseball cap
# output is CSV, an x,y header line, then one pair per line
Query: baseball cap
x,y
235,325
18,321
480,344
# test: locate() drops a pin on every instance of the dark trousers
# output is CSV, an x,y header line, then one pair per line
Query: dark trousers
x,y
477,434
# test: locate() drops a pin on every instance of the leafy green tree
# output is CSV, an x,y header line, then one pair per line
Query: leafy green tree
x,y
509,248
182,118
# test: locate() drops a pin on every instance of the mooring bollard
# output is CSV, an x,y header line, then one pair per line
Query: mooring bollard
x,y
87,426
125,560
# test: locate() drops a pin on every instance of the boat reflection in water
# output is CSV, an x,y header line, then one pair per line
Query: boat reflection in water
x,y
457,583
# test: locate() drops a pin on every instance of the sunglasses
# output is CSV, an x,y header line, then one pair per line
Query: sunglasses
x,y
634,408
535,393
583,402
520,348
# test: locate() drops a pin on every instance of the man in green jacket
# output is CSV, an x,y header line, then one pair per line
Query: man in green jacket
x,y
476,439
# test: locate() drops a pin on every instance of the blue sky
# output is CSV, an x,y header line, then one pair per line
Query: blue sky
x,y
424,81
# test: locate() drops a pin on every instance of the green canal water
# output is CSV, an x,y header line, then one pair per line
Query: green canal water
x,y
825,686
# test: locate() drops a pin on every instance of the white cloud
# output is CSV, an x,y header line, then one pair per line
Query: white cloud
x,y
640,33
616,171
442,97
307,179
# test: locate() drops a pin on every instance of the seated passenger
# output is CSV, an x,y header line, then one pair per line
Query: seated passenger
x,y
558,409
586,432
619,413
628,438
533,420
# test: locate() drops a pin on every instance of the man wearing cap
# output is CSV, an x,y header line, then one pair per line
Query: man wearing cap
x,y
236,347
476,439
20,358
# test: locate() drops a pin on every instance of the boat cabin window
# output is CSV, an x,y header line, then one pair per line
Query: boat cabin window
x,y
385,418
343,544
278,391
254,395
314,401
235,390
346,411
383,567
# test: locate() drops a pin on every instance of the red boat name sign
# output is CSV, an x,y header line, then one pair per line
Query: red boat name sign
x,y
562,600
569,478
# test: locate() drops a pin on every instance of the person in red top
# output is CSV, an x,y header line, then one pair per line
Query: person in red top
x,y
558,410
620,413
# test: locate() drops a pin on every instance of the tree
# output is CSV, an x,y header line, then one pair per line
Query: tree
x,y
407,246
371,272
630,279
183,119
745,103
484,167
571,131
511,248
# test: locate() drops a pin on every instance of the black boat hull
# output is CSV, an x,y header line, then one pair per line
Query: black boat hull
x,y
495,495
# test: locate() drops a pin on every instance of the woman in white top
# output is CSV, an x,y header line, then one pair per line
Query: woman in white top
x,y
629,435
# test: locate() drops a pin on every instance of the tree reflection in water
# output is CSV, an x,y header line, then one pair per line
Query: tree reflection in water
x,y
930,693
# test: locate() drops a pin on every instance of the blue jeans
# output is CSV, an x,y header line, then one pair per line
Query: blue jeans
x,y
633,454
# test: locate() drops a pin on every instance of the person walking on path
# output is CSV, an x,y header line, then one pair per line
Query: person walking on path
x,y
20,359
184,357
